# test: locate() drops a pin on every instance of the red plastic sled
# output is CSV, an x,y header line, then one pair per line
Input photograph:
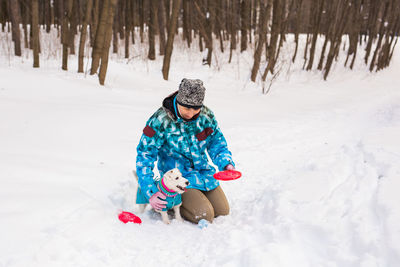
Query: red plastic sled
x,y
126,216
228,175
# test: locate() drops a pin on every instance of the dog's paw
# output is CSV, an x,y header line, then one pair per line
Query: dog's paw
x,y
142,207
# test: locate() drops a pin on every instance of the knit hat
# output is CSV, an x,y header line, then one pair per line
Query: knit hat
x,y
191,93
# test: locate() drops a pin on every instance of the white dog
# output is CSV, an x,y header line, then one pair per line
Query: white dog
x,y
171,185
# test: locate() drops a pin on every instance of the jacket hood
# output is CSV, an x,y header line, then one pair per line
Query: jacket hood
x,y
168,106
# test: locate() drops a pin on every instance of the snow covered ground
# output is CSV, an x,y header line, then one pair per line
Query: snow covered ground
x,y
320,163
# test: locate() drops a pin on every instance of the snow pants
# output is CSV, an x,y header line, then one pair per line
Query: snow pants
x,y
197,205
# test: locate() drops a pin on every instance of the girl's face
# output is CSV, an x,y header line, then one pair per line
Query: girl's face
x,y
188,113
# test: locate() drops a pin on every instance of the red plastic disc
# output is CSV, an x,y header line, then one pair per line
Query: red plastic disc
x,y
228,175
126,216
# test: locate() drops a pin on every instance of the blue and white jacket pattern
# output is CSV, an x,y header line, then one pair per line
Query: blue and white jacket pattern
x,y
174,143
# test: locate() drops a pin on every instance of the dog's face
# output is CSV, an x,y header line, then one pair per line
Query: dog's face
x,y
174,180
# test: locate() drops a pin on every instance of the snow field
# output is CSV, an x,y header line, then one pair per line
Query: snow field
x,y
320,163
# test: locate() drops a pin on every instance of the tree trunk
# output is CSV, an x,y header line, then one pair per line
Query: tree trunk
x,y
390,36
275,30
128,26
171,34
374,10
210,21
328,29
297,27
152,29
15,18
337,29
218,26
25,22
185,20
381,34
263,30
319,8
354,30
141,20
254,10
3,14
244,12
67,8
73,22
48,15
115,32
133,17
161,26
107,40
100,37
233,28
167,10
82,41
120,13
35,32
95,21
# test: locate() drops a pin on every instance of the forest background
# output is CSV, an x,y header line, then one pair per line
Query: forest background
x,y
94,28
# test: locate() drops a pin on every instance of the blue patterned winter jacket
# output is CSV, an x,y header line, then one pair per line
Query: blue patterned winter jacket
x,y
175,143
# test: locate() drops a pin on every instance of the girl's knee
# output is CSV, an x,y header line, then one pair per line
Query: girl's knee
x,y
222,210
200,212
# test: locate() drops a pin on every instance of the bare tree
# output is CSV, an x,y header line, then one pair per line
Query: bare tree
x,y
152,29
316,18
15,17
95,21
161,26
107,40
48,16
233,26
82,41
298,15
141,20
128,25
186,22
381,34
66,11
275,31
337,31
100,37
263,22
35,32
171,34
245,19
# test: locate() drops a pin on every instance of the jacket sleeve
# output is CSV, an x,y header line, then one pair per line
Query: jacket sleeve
x,y
147,151
218,148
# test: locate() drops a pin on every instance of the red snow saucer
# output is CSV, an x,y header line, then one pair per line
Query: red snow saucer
x,y
125,217
228,175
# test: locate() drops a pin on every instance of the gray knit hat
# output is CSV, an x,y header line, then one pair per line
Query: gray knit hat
x,y
191,93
